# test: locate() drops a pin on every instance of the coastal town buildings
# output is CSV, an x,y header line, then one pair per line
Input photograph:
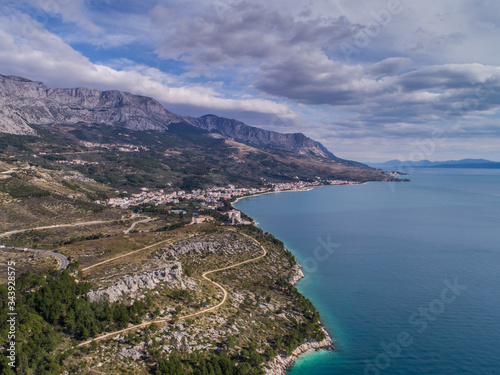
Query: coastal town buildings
x,y
211,197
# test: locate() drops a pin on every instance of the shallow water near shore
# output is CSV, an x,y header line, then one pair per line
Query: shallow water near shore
x,y
405,275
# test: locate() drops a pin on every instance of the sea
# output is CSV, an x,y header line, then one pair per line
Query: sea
x,y
405,275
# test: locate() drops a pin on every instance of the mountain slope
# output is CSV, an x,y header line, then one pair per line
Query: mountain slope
x,y
122,139
292,142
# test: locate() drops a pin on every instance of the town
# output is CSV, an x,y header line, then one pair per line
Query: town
x,y
212,197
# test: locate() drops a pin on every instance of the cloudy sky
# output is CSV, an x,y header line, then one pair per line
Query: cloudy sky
x,y
372,80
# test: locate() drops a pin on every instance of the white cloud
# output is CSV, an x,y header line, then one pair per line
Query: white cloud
x,y
46,57
70,11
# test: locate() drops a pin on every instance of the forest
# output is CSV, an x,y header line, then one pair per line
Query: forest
x,y
53,308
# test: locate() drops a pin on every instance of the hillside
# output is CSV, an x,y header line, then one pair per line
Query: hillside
x,y
25,103
296,143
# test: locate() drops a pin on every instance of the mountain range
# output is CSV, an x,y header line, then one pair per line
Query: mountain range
x,y
24,103
58,123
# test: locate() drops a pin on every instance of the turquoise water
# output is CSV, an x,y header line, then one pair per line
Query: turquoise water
x,y
406,276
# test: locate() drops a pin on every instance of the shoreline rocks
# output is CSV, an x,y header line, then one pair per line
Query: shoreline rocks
x,y
296,274
280,364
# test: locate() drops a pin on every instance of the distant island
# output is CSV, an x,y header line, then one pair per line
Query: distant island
x,y
462,163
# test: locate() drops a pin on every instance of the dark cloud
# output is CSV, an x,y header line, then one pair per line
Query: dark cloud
x,y
419,96
310,78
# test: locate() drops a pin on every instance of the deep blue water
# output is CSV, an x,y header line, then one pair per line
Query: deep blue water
x,y
406,276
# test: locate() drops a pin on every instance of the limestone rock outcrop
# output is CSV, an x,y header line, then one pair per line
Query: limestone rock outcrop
x,y
133,286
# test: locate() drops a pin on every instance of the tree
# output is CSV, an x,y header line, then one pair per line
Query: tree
x,y
69,322
171,367
231,342
244,368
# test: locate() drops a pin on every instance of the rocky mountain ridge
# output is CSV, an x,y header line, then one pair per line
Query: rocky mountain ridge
x,y
24,103
236,130
133,286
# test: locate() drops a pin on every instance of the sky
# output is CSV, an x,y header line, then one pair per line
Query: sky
x,y
372,80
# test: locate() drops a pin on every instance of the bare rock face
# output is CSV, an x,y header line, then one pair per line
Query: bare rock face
x,y
24,103
133,286
181,342
204,246
12,123
221,243
296,274
134,353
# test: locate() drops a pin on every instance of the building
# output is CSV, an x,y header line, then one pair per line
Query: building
x,y
234,216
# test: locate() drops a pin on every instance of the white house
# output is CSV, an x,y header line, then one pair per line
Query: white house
x,y
234,216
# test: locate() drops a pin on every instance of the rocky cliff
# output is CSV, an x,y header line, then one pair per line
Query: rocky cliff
x,y
24,103
296,274
133,286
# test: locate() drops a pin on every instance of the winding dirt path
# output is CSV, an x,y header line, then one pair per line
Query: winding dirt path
x,y
204,311
127,254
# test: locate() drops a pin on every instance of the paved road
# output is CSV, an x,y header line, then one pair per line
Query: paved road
x,y
67,225
63,261
204,275
147,219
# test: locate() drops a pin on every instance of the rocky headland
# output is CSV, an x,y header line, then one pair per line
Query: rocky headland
x,y
280,364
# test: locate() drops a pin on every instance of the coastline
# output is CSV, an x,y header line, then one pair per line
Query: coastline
x,y
280,364
308,188
275,192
